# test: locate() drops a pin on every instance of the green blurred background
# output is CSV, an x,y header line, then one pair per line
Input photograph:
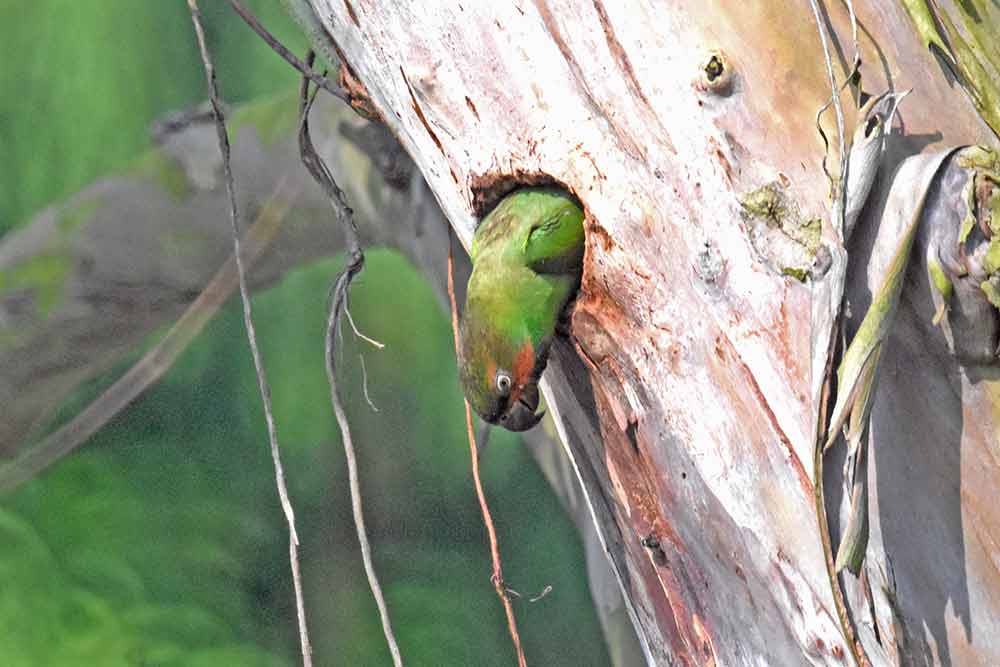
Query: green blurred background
x,y
162,542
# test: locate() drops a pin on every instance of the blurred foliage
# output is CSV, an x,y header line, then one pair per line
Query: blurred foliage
x,y
162,542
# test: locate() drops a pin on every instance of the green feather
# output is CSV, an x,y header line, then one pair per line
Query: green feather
x,y
527,255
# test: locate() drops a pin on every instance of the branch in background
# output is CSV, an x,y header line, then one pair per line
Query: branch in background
x,y
265,393
157,361
497,577
118,239
355,262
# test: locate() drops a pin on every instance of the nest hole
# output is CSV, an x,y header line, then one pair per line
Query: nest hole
x,y
489,189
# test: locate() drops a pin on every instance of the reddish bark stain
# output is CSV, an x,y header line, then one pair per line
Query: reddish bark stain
x,y
421,116
600,235
642,503
352,14
625,140
720,155
472,107
593,162
641,509
618,52
625,65
357,94
674,352
761,399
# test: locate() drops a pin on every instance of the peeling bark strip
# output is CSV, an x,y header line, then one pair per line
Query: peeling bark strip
x,y
688,413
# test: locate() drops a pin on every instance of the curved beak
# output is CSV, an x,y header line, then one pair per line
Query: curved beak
x,y
521,416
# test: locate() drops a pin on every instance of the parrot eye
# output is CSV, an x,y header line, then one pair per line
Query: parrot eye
x,y
503,382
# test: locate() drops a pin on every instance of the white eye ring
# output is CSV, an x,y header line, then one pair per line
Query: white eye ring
x,y
503,382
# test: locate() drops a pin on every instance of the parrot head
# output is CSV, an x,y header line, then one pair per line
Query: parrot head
x,y
500,376
527,257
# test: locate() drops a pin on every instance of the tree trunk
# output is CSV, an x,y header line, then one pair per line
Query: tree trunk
x,y
691,397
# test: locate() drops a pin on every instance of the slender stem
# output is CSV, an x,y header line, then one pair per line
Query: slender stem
x,y
343,282
355,262
258,361
497,577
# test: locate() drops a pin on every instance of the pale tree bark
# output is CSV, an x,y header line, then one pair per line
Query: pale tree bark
x,y
691,396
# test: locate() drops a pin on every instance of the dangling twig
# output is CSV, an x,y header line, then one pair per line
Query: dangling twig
x,y
355,262
265,392
497,577
364,383
367,339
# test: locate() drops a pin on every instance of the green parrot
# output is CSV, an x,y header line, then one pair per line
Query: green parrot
x,y
527,255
